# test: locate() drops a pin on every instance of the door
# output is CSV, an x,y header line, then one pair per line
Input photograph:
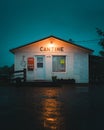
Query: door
x,y
40,68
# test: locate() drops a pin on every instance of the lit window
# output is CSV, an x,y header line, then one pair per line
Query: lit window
x,y
59,64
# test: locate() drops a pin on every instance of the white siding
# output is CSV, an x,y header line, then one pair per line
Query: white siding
x,y
76,61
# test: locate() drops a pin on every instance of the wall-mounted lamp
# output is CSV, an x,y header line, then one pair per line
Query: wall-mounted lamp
x,y
51,44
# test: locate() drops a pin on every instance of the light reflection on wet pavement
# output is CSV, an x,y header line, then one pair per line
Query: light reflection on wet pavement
x,y
48,108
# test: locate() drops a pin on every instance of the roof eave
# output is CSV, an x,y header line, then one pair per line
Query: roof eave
x,y
13,50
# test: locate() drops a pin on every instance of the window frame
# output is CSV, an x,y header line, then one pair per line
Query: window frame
x,y
65,63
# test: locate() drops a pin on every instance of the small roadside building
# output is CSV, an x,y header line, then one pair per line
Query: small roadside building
x,y
52,56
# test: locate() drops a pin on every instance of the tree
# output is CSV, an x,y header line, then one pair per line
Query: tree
x,y
6,69
101,42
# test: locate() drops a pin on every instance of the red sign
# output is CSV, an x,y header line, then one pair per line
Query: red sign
x,y
30,63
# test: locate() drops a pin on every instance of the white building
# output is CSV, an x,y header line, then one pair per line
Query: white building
x,y
53,56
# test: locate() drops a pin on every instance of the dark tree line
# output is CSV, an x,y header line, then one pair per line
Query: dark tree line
x,y
5,74
97,62
6,70
101,42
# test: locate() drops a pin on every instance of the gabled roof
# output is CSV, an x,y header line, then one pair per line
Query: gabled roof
x,y
13,50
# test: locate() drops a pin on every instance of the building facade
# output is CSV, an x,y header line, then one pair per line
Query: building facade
x,y
53,56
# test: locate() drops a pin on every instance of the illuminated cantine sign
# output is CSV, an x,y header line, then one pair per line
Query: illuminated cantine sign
x,y
52,49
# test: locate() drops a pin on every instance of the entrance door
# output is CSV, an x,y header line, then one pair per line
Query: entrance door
x,y
40,68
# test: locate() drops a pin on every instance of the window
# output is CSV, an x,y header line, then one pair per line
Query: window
x,y
39,62
59,63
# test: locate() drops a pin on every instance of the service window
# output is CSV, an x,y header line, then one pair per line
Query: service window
x,y
59,63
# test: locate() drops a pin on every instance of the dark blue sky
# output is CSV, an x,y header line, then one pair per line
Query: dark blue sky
x,y
24,21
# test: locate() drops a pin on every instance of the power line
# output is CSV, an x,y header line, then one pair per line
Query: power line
x,y
93,40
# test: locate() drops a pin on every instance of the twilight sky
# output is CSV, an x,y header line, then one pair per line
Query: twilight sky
x,y
24,21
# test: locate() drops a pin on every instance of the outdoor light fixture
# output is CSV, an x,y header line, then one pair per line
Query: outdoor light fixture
x,y
51,44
